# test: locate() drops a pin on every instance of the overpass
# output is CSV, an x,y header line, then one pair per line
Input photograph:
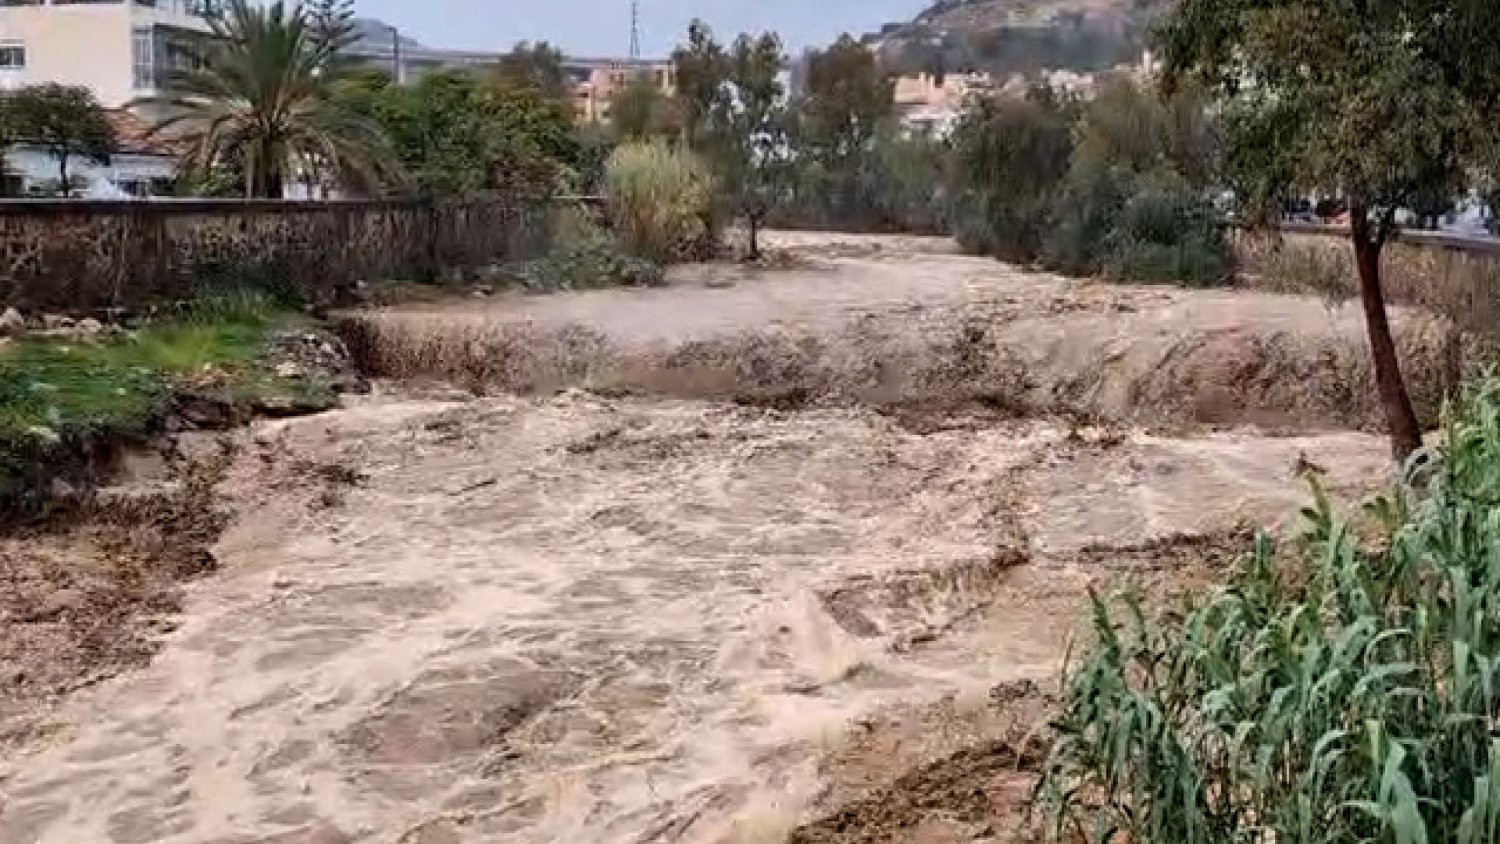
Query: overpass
x,y
382,45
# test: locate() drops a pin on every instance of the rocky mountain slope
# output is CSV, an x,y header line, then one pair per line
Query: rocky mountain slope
x,y
1019,36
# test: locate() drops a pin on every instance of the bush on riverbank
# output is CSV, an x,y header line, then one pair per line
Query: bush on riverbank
x,y
584,256
1338,690
1118,186
660,200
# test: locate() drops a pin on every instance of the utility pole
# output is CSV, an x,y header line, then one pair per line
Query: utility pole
x,y
635,30
396,69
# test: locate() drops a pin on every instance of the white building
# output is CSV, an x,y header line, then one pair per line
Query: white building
x,y
119,49
140,166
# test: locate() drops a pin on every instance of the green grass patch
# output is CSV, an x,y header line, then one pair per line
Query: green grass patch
x,y
62,399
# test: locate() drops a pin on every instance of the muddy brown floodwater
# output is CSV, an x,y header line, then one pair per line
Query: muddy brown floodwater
x,y
605,615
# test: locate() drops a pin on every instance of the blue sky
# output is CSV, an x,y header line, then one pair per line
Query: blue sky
x,y
602,27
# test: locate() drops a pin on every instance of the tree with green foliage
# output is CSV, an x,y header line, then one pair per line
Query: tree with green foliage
x,y
459,133
847,103
1135,202
1383,102
1010,155
1142,130
904,182
640,110
701,68
330,24
538,66
260,103
848,97
65,120
745,134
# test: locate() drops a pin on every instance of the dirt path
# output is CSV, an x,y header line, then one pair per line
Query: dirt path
x,y
575,618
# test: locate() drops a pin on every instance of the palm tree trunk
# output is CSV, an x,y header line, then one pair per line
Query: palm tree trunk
x,y
1400,417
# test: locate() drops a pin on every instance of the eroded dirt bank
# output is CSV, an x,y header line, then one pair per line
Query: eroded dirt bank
x,y
900,323
580,617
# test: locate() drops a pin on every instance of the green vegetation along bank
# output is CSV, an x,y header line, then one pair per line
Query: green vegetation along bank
x,y
69,398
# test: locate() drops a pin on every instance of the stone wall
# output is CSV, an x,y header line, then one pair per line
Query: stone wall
x,y
1458,277
85,256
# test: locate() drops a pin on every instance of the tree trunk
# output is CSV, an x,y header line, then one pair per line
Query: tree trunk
x,y
1401,419
64,188
270,183
754,237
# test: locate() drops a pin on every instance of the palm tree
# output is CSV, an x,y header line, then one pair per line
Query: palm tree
x,y
259,102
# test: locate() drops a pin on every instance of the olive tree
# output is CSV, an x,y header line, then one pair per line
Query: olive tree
x,y
1384,102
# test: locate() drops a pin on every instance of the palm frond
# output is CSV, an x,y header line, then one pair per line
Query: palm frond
x,y
261,101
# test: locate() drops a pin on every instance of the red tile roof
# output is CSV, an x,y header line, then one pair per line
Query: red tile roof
x,y
134,135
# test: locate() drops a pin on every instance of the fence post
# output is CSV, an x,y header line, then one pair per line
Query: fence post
x,y
432,272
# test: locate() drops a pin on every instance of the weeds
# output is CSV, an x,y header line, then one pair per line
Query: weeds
x,y
64,402
584,256
1342,689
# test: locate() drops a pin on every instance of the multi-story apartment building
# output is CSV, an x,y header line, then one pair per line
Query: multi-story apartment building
x,y
119,49
596,82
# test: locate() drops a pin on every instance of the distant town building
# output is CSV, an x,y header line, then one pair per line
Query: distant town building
x,y
597,81
926,103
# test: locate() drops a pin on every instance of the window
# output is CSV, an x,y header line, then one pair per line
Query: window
x,y
143,58
12,55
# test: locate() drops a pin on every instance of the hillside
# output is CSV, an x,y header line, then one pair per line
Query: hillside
x,y
1019,36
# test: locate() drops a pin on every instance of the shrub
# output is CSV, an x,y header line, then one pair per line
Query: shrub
x,y
1009,159
585,263
583,256
1340,689
660,201
896,185
1084,216
1167,233
1136,227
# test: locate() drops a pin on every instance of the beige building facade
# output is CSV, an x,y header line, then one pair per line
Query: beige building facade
x,y
926,103
119,49
599,81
